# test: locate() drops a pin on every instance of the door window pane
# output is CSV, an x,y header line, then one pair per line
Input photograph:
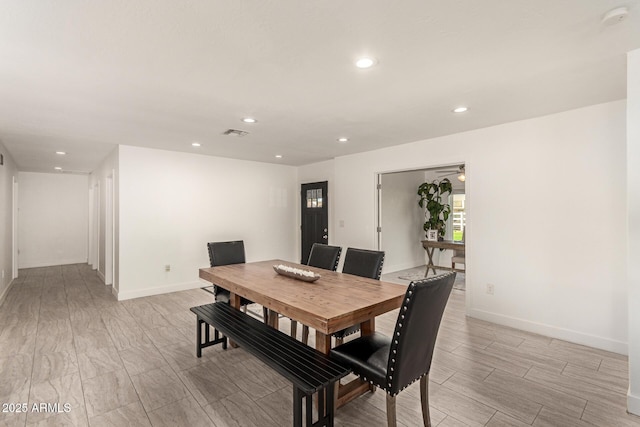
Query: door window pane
x,y
314,198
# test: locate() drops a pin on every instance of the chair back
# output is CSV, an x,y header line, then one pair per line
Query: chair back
x,y
225,253
414,337
324,256
363,263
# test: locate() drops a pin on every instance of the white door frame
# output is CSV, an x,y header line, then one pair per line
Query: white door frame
x,y
14,237
109,231
468,266
90,233
95,262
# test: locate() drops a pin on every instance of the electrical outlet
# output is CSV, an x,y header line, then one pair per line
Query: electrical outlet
x,y
3,274
490,288
167,268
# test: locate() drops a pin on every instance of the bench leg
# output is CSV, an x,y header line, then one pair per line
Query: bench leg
x,y
325,406
200,344
199,323
309,415
331,404
297,407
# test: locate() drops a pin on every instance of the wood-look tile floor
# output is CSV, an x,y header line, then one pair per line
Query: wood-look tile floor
x,y
65,339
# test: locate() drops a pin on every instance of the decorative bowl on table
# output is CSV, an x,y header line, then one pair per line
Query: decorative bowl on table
x,y
296,273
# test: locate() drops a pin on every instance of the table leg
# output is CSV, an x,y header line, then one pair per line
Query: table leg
x,y
274,320
430,264
345,393
234,301
323,342
368,327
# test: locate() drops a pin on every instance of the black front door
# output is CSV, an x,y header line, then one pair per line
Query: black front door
x,y
315,217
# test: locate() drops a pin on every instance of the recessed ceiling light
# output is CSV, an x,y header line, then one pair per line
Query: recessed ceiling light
x,y
62,153
615,16
249,120
58,168
343,139
278,156
460,109
365,62
195,144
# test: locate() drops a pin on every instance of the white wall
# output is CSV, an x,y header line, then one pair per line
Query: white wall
x,y
172,204
546,218
98,183
633,222
7,172
53,219
402,221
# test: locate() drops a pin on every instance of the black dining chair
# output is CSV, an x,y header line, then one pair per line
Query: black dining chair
x,y
321,256
324,256
227,253
363,263
393,363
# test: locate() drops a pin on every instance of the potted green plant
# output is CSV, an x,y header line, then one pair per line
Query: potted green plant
x,y
433,197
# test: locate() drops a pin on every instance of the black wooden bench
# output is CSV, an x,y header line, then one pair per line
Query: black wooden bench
x,y
309,370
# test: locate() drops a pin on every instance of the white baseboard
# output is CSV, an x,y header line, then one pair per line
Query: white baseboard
x,y
392,268
156,290
6,291
100,275
633,404
37,264
552,331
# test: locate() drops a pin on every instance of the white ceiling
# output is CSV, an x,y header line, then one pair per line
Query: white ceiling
x,y
82,76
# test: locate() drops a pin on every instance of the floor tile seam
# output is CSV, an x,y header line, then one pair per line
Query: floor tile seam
x,y
33,358
470,398
590,351
180,379
146,412
594,383
559,389
565,362
84,399
487,423
538,414
490,366
33,362
496,409
130,381
274,421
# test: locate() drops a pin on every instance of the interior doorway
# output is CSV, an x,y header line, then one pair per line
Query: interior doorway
x,y
400,220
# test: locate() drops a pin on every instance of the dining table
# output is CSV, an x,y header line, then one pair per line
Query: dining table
x,y
329,304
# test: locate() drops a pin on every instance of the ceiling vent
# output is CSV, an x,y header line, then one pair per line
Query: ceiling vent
x,y
235,132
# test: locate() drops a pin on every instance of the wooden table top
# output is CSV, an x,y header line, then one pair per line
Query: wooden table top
x,y
443,244
332,303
